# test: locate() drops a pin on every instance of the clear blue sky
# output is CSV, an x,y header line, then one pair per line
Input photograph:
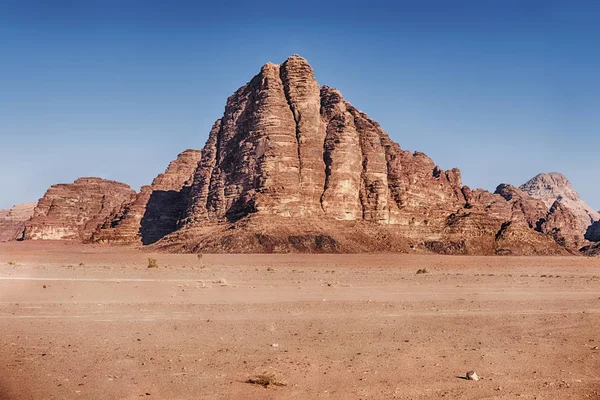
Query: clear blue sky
x,y
501,89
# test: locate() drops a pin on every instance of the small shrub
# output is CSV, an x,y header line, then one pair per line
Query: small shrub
x,y
422,271
199,255
265,380
12,263
221,281
152,263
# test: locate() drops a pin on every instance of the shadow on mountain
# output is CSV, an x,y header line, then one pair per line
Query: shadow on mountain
x,y
593,232
164,209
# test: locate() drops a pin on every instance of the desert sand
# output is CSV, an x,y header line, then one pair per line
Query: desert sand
x,y
93,322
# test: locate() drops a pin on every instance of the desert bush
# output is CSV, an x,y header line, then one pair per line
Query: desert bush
x,y
152,263
422,271
267,379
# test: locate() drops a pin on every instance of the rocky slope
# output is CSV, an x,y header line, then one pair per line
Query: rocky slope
x,y
562,224
156,210
551,187
12,221
292,166
73,211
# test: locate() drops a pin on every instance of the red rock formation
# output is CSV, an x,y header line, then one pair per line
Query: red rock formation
x,y
12,221
156,210
292,166
287,148
533,211
551,187
564,226
73,211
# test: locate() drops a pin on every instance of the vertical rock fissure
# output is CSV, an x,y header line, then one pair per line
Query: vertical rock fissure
x,y
297,118
388,172
216,162
218,145
327,162
363,181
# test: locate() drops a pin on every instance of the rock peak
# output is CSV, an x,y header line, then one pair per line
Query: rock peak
x,y
295,58
554,186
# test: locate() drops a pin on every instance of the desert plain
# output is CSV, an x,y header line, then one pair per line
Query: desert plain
x,y
94,322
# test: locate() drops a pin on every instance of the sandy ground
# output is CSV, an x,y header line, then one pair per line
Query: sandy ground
x,y
93,322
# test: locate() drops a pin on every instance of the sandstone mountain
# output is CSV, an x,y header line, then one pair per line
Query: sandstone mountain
x,y
551,187
291,166
74,211
562,224
12,221
156,210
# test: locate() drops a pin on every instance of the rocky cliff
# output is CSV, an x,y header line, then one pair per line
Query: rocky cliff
x,y
156,210
73,211
562,224
551,187
12,221
292,166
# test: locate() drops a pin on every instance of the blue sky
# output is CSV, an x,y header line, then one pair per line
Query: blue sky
x,y
501,89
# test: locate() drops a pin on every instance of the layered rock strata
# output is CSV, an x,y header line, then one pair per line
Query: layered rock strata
x,y
12,221
291,166
551,187
156,210
73,211
301,157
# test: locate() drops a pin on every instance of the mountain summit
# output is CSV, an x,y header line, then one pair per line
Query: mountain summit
x,y
553,186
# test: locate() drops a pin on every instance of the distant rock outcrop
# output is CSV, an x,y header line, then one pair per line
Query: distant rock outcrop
x,y
12,221
551,187
522,204
564,226
73,211
156,210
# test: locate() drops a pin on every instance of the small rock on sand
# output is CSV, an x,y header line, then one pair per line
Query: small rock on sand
x,y
472,376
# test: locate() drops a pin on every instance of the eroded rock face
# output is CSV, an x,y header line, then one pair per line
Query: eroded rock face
x,y
73,211
551,187
286,147
533,210
12,221
156,210
564,226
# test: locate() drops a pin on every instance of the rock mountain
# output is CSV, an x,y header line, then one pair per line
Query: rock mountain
x,y
12,221
551,187
293,166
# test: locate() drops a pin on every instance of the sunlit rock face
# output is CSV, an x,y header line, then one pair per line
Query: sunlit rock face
x,y
73,211
551,187
12,221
